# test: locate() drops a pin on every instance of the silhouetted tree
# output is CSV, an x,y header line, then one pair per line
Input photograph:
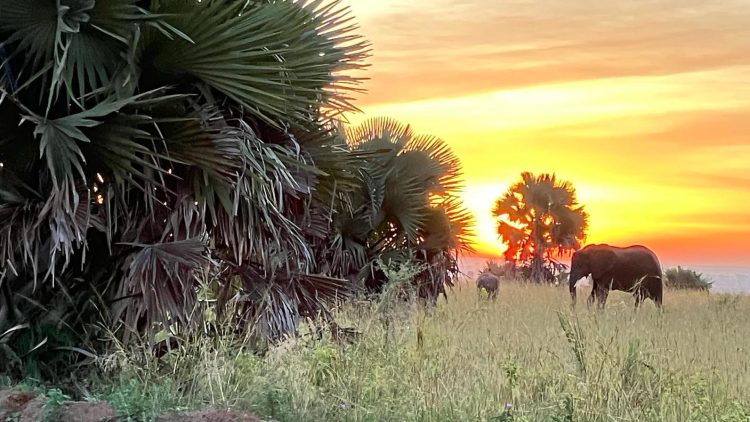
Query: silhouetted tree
x,y
537,216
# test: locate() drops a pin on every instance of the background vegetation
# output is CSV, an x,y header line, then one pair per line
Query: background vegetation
x,y
684,278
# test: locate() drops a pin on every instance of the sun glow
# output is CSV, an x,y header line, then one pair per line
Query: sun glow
x,y
653,136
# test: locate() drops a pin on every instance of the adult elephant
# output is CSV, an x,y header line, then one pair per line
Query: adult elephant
x,y
489,282
633,269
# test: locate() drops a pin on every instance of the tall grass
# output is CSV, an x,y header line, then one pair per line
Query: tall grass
x,y
470,359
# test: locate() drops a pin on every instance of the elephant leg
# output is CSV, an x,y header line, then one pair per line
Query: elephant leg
x,y
493,295
592,298
601,296
656,299
655,292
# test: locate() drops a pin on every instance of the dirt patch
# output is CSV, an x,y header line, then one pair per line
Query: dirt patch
x,y
20,406
33,412
85,412
23,406
210,416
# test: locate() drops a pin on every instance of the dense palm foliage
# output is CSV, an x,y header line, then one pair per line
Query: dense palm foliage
x,y
406,207
539,216
147,147
143,141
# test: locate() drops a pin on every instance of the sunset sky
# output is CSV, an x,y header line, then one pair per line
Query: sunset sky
x,y
643,105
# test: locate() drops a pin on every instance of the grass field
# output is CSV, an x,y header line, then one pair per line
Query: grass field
x,y
469,359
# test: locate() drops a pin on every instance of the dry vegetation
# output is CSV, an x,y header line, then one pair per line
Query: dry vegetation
x,y
469,359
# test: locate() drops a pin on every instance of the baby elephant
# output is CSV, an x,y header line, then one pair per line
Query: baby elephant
x,y
489,282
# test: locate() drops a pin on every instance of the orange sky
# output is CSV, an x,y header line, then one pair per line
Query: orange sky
x,y
644,106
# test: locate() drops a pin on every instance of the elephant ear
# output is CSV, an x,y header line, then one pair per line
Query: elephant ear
x,y
601,261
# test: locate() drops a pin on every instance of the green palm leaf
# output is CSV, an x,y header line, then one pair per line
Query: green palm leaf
x,y
78,44
277,59
160,279
408,200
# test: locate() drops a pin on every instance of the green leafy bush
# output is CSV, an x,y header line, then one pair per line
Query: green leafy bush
x,y
139,401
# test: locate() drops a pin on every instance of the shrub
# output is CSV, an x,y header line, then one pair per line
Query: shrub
x,y
498,269
552,271
683,278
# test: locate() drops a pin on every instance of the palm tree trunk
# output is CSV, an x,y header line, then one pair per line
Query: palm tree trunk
x,y
537,267
537,261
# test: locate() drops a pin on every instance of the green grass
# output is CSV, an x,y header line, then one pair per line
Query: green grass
x,y
467,359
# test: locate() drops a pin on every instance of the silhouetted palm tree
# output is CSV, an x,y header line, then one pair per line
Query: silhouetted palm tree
x,y
407,206
537,216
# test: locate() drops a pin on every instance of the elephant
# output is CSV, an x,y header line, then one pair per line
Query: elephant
x,y
489,282
633,269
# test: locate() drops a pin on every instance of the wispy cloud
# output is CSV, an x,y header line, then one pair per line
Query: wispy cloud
x,y
455,47
644,105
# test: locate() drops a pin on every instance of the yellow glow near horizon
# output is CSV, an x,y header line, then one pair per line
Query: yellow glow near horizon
x,y
654,137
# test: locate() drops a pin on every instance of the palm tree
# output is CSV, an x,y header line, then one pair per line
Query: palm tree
x,y
406,207
148,145
537,216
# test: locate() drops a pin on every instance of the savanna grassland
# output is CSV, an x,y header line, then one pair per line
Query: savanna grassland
x,y
178,173
469,359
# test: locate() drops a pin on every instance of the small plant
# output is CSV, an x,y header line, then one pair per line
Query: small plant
x,y
683,278
399,276
321,362
566,413
399,289
484,294
576,339
54,398
511,373
139,401
276,401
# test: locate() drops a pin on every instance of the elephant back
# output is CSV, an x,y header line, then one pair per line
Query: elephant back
x,y
488,281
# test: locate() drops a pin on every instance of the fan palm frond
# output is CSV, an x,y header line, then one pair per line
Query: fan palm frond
x,y
407,204
76,44
275,59
160,278
379,133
